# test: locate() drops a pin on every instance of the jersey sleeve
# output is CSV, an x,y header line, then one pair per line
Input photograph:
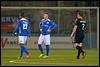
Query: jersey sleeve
x,y
29,30
17,27
40,24
53,25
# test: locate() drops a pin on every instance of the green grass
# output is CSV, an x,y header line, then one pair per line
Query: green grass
x,y
57,57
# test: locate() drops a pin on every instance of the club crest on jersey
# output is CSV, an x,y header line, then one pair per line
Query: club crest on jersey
x,y
47,22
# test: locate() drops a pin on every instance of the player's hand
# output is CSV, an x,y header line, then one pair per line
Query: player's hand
x,y
41,30
15,33
49,30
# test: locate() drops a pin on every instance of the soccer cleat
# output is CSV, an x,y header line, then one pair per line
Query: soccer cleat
x,y
41,55
19,58
45,56
29,56
78,57
83,55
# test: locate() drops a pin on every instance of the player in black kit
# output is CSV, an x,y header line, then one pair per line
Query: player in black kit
x,y
78,29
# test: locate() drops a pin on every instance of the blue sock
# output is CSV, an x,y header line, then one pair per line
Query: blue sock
x,y
26,51
47,50
40,48
21,52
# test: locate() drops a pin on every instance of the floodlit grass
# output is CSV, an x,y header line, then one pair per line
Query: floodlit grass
x,y
57,57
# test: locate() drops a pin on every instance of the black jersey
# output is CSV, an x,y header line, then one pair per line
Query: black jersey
x,y
81,24
79,36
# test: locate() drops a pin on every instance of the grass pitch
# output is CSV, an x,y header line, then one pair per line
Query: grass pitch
x,y
57,57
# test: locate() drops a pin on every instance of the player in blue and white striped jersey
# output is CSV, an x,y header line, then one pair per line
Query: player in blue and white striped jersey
x,y
46,27
23,30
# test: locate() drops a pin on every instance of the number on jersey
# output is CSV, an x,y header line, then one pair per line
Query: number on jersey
x,y
25,26
83,25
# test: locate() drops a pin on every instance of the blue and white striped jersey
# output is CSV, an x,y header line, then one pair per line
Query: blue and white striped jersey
x,y
23,27
45,25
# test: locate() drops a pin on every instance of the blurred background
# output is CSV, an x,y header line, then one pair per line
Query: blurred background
x,y
62,12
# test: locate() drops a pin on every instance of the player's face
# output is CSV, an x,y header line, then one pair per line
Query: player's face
x,y
45,16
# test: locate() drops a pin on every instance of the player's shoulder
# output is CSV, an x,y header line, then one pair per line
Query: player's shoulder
x,y
42,19
51,20
82,21
23,19
47,20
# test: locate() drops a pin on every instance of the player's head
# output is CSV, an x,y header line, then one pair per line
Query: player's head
x,y
22,15
79,16
45,16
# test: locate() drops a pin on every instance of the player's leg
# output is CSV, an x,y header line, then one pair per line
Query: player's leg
x,y
81,45
77,43
21,52
21,47
78,50
82,51
47,43
81,48
22,41
40,44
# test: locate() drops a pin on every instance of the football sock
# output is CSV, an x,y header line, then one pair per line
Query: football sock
x,y
21,51
24,48
40,48
81,50
47,50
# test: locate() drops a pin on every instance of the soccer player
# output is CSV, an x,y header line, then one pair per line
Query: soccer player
x,y
78,29
46,27
23,31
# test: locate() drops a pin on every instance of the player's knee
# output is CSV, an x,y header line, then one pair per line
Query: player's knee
x,y
77,47
47,43
80,45
39,42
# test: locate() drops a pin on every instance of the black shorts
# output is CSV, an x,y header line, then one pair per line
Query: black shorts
x,y
79,38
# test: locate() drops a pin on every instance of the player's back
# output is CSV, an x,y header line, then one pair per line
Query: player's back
x,y
81,24
24,27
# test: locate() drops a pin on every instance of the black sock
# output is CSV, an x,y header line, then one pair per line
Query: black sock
x,y
81,50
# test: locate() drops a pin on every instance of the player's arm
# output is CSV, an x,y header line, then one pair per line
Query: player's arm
x,y
17,28
52,27
74,30
40,26
29,30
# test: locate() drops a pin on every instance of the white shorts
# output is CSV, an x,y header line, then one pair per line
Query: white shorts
x,y
22,39
45,38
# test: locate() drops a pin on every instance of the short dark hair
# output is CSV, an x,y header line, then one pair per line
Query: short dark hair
x,y
45,13
22,14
